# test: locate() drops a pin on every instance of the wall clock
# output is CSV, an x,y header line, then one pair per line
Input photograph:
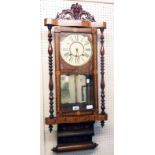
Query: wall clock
x,y
76,78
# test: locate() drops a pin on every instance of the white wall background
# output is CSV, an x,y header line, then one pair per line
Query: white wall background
x,y
102,12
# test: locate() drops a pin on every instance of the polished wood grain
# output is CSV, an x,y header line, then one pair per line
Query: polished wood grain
x,y
95,67
77,119
73,23
73,29
57,70
74,147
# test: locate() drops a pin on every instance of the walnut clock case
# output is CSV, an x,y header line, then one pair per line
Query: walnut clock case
x,y
76,78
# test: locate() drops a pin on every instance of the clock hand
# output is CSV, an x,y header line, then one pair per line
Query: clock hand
x,y
77,55
76,52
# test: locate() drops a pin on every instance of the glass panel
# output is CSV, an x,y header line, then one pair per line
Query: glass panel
x,y
77,90
67,89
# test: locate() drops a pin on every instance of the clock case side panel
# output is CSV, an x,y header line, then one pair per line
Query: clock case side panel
x,y
57,70
95,68
57,33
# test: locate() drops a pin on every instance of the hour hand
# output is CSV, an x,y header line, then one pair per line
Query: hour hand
x,y
77,52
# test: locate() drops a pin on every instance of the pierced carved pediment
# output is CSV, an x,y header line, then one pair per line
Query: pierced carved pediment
x,y
76,12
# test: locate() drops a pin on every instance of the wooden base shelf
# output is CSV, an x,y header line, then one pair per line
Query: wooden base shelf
x,y
75,119
74,147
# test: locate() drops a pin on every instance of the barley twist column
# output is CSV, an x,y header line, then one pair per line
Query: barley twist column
x,y
102,74
50,59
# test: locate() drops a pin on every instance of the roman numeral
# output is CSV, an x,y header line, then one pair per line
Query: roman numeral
x,y
71,38
65,49
66,54
82,58
87,49
86,43
71,59
76,38
76,59
86,55
82,39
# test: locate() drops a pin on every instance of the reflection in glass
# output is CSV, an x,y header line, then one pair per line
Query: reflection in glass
x,y
84,93
67,89
77,89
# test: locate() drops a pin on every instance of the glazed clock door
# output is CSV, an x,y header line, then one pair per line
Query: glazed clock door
x,y
77,81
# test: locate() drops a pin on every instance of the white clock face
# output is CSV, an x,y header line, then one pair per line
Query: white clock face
x,y
76,49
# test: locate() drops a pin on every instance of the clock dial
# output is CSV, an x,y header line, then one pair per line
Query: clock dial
x,y
76,49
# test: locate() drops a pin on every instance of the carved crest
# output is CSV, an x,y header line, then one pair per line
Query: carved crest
x,y
76,12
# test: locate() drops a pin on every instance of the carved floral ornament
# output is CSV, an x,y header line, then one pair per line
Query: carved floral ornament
x,y
76,12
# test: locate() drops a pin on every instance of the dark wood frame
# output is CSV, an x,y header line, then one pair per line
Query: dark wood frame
x,y
77,70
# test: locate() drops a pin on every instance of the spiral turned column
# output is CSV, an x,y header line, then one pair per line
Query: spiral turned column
x,y
50,59
102,74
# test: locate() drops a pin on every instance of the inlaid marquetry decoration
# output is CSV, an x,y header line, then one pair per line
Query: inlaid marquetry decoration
x,y
76,78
